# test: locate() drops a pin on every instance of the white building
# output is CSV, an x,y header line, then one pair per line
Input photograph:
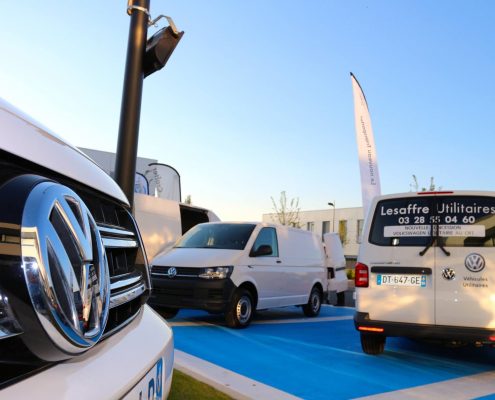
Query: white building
x,y
348,222
106,161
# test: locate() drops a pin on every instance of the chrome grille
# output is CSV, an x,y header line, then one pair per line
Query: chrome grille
x,y
127,274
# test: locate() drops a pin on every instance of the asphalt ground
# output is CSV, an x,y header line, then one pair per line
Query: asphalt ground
x,y
321,358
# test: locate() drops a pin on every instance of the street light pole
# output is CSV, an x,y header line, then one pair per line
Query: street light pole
x,y
333,218
125,164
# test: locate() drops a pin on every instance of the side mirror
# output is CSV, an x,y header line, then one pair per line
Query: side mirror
x,y
263,250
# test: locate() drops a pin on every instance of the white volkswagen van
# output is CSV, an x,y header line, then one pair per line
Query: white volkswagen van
x,y
336,266
426,269
236,268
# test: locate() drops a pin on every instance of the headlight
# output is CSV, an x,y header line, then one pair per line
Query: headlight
x,y
216,272
8,324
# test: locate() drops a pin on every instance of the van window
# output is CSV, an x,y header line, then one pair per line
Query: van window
x,y
267,236
467,221
217,236
456,221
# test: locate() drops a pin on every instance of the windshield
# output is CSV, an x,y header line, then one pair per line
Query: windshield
x,y
217,236
455,221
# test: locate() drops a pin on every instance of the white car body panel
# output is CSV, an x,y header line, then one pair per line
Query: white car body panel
x,y
109,370
50,151
160,222
336,261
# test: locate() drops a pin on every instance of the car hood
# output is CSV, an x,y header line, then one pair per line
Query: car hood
x,y
26,138
184,257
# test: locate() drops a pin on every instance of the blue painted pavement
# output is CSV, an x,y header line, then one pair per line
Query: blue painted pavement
x,y
321,360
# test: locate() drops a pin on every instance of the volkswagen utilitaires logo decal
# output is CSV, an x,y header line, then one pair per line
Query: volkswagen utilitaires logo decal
x,y
448,273
65,267
172,272
474,262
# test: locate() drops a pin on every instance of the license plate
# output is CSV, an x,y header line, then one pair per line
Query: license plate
x,y
401,280
151,385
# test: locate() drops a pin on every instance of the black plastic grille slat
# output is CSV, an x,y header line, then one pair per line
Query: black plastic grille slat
x,y
120,315
184,271
118,263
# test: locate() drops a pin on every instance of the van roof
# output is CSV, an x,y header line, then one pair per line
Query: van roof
x,y
259,223
437,193
244,222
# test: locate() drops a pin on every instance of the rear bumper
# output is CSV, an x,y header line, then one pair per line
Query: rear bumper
x,y
109,370
210,295
362,320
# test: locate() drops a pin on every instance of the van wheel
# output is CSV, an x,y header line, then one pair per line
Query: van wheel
x,y
167,312
372,344
240,310
312,309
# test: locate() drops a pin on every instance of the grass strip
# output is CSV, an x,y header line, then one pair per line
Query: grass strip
x,y
185,387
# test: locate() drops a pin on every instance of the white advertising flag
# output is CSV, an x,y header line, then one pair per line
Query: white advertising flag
x,y
368,164
164,181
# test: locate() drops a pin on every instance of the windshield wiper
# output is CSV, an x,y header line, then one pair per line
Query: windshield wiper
x,y
434,239
423,252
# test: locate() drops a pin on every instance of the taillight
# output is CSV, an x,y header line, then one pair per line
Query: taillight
x,y
362,276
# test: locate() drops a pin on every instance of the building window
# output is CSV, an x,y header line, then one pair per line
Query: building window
x,y
310,226
343,231
359,236
325,228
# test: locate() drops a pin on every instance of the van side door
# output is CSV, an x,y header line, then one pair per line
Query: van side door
x,y
264,267
465,261
400,256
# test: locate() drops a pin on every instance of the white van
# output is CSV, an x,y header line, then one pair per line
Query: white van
x,y
236,268
74,280
336,266
426,268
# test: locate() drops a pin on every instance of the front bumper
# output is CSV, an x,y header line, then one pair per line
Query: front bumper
x,y
423,331
211,295
110,369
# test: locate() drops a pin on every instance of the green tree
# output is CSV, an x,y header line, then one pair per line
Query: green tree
x,y
188,200
286,212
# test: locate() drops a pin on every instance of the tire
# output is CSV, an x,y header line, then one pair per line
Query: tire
x,y
241,310
167,312
372,344
312,308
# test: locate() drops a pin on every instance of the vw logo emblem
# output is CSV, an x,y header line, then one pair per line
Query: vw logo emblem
x,y
448,273
474,262
172,272
65,267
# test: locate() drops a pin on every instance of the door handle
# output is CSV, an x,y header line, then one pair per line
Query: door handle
x,y
279,262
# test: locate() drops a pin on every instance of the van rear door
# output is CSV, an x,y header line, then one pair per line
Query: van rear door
x,y
400,258
465,271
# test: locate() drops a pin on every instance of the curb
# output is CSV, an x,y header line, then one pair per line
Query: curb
x,y
229,382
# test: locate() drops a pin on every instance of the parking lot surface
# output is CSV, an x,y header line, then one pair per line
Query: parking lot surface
x,y
321,358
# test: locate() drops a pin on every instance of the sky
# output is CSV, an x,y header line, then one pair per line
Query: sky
x,y
257,97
